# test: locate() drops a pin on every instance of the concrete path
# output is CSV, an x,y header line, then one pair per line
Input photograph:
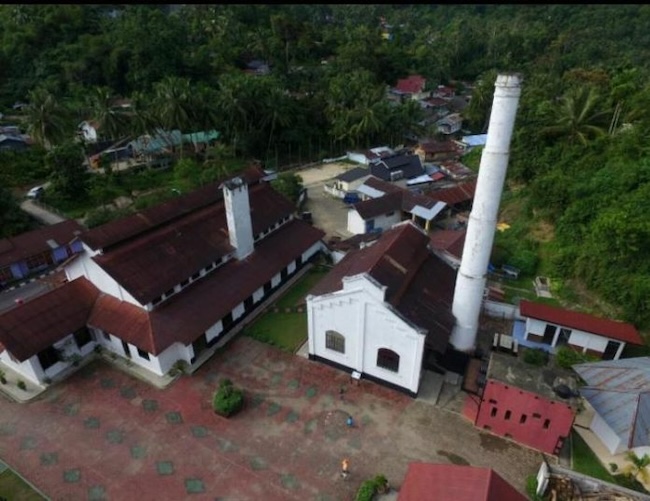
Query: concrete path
x,y
41,214
103,434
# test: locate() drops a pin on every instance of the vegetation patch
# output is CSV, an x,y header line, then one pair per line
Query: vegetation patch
x,y
228,399
15,488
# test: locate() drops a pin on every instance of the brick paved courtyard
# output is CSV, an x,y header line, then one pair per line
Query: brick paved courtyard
x,y
103,434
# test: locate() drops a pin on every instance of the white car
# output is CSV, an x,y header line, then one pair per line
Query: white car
x,y
35,192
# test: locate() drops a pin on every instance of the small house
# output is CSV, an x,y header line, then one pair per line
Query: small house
x,y
547,327
397,166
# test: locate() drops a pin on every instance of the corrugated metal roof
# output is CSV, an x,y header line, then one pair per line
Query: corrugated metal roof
x,y
619,391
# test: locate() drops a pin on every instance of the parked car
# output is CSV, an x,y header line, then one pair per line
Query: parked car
x,y
36,192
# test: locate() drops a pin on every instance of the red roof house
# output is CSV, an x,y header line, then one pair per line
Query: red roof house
x,y
450,482
551,326
414,85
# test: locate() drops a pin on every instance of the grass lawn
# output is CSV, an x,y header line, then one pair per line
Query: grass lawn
x,y
16,489
586,462
286,330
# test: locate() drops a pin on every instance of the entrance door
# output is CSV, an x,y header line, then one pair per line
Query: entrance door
x,y
611,350
198,346
549,334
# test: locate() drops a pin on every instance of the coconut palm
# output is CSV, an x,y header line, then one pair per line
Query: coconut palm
x,y
174,105
637,469
112,121
578,118
47,120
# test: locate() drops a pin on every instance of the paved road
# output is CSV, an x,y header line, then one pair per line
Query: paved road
x,y
41,214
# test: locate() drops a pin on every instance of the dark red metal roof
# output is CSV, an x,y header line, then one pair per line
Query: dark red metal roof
x,y
419,285
122,229
456,194
188,315
40,322
582,321
451,241
381,185
150,263
377,206
411,85
20,247
455,483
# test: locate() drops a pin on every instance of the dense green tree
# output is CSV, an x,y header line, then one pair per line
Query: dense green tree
x,y
47,120
13,220
69,176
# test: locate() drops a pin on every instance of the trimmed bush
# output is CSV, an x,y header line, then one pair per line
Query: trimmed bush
x,y
566,357
535,356
227,399
370,487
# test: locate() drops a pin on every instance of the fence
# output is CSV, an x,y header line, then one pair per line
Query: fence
x,y
500,310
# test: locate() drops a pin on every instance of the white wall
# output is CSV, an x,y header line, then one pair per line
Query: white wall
x,y
85,266
499,310
607,436
580,338
356,224
359,313
30,369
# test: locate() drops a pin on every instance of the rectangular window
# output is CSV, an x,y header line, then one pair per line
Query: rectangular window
x,y
143,354
196,275
507,416
522,420
388,359
537,416
549,334
169,292
185,282
82,337
547,423
48,357
492,401
156,300
493,413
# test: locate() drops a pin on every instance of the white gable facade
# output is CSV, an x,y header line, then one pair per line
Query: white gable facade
x,y
354,328
359,226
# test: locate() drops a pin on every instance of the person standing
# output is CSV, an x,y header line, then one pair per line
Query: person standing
x,y
345,468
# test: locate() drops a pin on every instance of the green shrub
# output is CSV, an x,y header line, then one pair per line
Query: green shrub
x,y
370,487
535,356
21,384
227,399
566,357
531,488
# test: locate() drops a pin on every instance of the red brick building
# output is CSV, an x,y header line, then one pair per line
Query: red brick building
x,y
517,401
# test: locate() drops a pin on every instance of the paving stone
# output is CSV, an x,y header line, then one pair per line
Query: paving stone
x,y
96,493
257,463
28,443
91,422
194,485
49,458
311,392
7,429
257,400
174,417
115,436
294,384
292,417
128,392
107,382
138,452
289,481
273,409
72,476
226,445
71,409
199,431
164,467
150,405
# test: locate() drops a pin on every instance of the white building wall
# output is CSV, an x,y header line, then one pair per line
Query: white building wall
x,y
30,369
607,436
385,222
162,363
85,266
359,313
291,268
214,331
356,224
307,255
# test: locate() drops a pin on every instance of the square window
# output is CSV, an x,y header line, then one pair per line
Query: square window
x,y
522,419
143,354
507,415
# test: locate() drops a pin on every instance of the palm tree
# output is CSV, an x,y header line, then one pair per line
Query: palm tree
x,y
578,118
111,120
47,120
637,469
173,103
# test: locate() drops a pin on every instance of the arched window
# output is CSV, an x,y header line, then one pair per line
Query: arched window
x,y
388,359
335,341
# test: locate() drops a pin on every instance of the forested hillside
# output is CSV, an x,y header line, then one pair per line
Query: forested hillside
x,y
580,163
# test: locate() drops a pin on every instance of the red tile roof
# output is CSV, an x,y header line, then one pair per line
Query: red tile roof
x,y
381,185
39,323
411,85
455,483
588,323
20,247
419,285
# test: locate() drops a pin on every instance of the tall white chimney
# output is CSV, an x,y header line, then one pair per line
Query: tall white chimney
x,y
238,215
471,279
